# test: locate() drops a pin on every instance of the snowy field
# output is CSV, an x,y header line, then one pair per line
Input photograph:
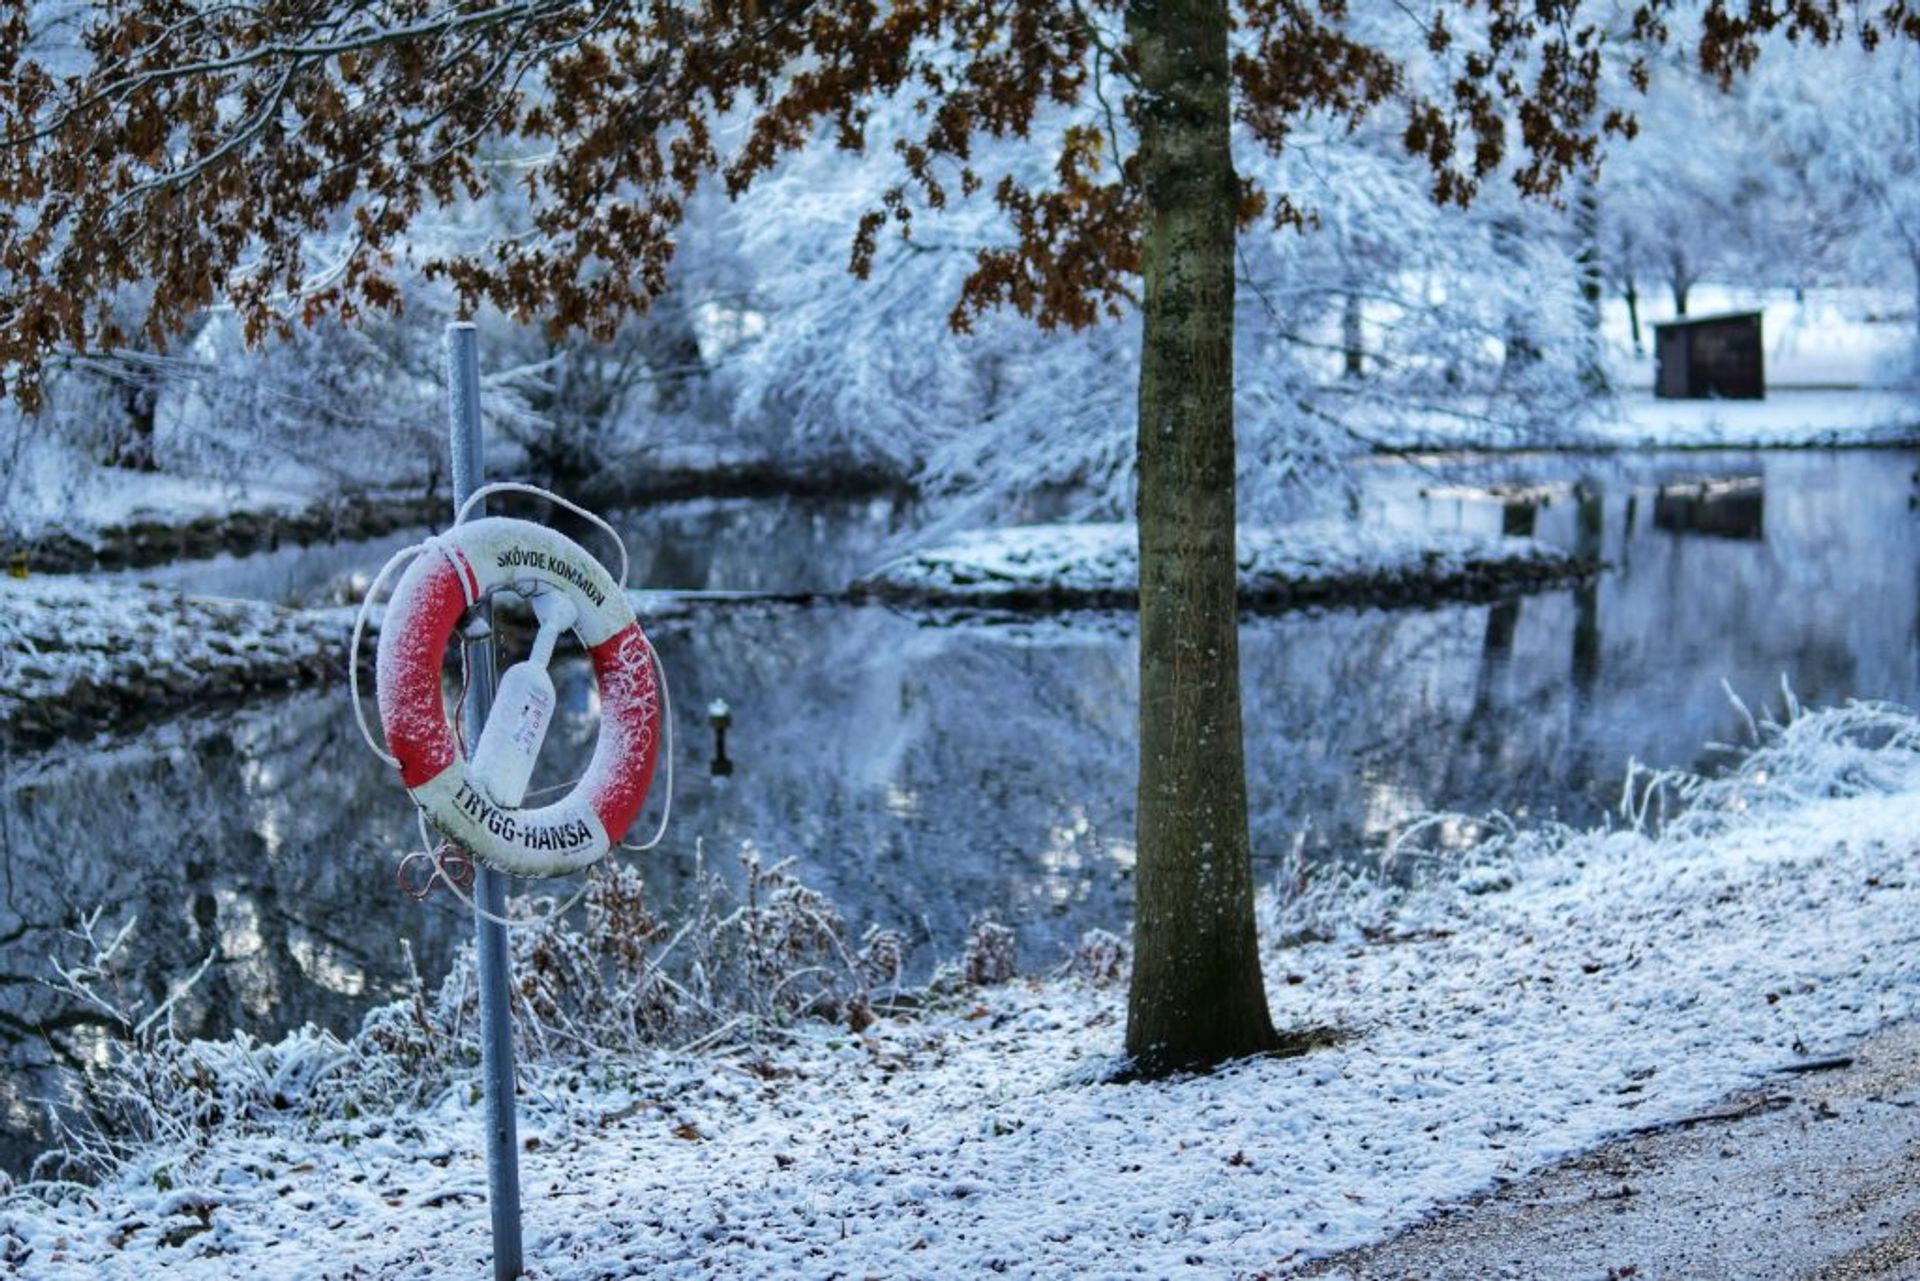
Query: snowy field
x,y
1097,565
1539,992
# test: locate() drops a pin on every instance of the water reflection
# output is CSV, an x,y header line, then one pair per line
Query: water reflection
x,y
921,774
734,544
249,838
778,545
1724,507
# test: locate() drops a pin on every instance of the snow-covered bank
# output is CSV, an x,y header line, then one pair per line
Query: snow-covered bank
x,y
1811,419
1542,990
78,654
145,518
1096,566
152,536
1800,419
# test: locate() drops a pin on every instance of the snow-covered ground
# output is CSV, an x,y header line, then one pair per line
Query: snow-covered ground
x,y
1636,419
1784,420
1821,339
1839,369
1097,565
1538,992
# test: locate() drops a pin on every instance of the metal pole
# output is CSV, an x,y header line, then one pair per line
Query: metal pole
x,y
489,885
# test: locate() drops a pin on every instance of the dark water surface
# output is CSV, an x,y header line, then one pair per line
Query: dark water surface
x,y
920,774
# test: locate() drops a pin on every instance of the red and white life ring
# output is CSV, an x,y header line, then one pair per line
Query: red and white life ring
x,y
457,568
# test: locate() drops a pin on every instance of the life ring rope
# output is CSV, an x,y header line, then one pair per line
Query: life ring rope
x,y
615,643
521,487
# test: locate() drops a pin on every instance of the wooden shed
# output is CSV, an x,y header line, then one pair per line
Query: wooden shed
x,y
1710,358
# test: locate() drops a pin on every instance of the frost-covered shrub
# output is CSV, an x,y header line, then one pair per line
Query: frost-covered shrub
x,y
612,976
1100,958
882,958
159,1090
605,978
992,954
1853,750
153,1088
1315,902
1442,865
780,952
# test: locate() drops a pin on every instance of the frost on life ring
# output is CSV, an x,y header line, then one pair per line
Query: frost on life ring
x,y
457,568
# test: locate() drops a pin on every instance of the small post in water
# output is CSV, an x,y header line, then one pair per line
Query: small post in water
x,y
489,884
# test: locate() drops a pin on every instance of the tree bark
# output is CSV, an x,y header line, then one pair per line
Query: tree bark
x,y
1352,345
671,348
1679,280
1197,997
133,449
1632,297
1586,222
1521,351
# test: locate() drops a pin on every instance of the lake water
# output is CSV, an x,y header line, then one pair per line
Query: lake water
x,y
920,774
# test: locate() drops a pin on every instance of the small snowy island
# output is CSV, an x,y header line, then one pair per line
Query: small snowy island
x,y
79,654
1095,566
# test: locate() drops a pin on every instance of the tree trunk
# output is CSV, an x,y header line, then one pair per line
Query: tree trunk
x,y
1197,997
1520,350
132,447
671,349
1915,370
1352,336
1633,316
1586,223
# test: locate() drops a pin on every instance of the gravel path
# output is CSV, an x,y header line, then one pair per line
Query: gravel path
x,y
1810,1175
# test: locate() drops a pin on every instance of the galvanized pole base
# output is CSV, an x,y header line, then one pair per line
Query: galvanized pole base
x,y
489,886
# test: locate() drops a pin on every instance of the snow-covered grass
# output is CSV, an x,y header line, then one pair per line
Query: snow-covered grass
x,y
1636,419
1533,992
1784,420
1097,566
78,652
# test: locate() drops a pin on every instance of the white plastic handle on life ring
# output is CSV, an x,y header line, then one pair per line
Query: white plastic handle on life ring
x,y
456,569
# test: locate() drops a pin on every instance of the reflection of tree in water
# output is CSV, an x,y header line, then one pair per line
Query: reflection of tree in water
x,y
1517,520
1345,712
918,774
1632,664
785,545
249,840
